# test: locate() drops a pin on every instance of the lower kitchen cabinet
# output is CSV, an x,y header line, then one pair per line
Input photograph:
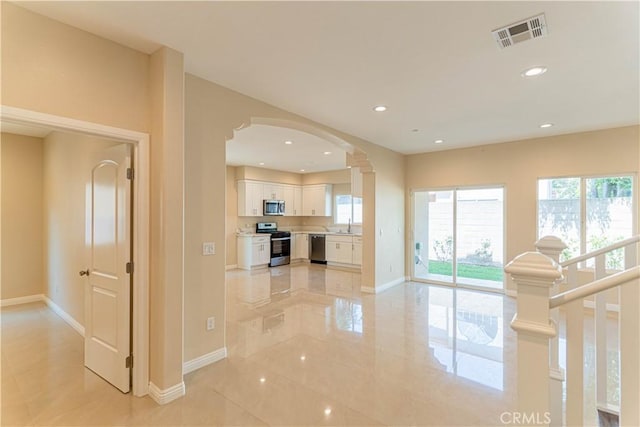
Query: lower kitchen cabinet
x,y
339,249
301,246
253,251
357,250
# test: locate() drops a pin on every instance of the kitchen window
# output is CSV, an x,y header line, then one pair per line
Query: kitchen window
x,y
348,208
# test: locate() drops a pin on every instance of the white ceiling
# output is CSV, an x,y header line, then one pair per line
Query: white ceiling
x,y
434,64
258,144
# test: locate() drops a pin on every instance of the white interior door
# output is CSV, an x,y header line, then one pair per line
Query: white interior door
x,y
107,294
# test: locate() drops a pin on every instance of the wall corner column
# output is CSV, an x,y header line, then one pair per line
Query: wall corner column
x,y
166,225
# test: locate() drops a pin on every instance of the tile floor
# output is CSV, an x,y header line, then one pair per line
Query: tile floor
x,y
305,348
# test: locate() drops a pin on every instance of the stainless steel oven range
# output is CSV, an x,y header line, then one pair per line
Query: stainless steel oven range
x,y
280,243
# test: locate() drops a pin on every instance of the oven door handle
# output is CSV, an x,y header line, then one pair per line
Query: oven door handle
x,y
281,238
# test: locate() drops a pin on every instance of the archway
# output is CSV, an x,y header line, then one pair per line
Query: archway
x,y
356,158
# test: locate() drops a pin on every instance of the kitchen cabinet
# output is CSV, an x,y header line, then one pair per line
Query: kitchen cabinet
x,y
308,200
272,191
292,200
301,244
250,195
339,249
357,250
253,251
316,200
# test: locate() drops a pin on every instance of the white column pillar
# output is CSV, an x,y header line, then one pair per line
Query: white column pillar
x,y
534,275
552,247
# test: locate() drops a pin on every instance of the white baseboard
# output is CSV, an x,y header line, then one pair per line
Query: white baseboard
x,y
610,307
231,267
21,300
382,288
204,360
511,293
162,397
64,315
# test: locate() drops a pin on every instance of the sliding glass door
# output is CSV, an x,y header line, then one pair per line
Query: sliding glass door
x,y
459,236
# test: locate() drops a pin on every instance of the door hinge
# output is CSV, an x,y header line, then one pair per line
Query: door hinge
x,y
129,173
129,267
128,362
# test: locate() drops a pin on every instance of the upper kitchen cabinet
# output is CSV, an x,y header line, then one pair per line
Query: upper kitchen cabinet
x,y
250,195
272,191
316,200
292,200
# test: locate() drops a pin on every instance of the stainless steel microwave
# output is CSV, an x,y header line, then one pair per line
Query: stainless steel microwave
x,y
272,207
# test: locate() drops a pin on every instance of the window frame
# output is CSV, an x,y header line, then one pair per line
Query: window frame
x,y
583,202
335,209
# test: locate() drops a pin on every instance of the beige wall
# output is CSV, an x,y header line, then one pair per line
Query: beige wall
x,y
56,69
68,160
269,175
167,225
212,114
22,219
517,166
328,177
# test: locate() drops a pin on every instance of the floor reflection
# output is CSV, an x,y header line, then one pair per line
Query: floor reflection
x,y
470,343
462,331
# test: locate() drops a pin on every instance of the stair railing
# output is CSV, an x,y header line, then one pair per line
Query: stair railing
x,y
542,289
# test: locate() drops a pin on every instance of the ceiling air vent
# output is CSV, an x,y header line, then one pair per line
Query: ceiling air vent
x,y
530,28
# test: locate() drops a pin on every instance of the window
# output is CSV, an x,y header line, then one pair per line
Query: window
x,y
348,208
587,213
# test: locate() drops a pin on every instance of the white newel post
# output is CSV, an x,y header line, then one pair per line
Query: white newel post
x,y
552,247
534,275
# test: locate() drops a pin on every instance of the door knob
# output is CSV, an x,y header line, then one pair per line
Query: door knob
x,y
84,272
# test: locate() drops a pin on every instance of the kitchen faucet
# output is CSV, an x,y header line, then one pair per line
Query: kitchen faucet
x,y
349,227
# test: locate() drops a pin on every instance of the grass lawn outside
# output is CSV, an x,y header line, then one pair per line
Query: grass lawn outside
x,y
471,271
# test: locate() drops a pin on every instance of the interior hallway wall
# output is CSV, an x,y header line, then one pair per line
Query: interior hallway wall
x,y
22,216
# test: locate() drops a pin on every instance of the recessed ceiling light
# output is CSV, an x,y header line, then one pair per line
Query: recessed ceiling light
x,y
439,141
303,357
288,142
261,163
263,380
327,411
326,153
301,170
380,108
348,167
546,125
534,71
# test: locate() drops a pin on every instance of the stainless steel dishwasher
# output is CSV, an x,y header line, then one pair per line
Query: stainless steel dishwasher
x,y
317,249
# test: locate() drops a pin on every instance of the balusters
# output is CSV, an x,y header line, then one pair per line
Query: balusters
x,y
629,345
600,318
575,354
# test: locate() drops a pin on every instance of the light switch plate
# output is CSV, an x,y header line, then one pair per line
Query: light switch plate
x,y
208,248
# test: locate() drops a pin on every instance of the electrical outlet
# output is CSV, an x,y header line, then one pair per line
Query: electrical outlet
x,y
211,323
208,248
